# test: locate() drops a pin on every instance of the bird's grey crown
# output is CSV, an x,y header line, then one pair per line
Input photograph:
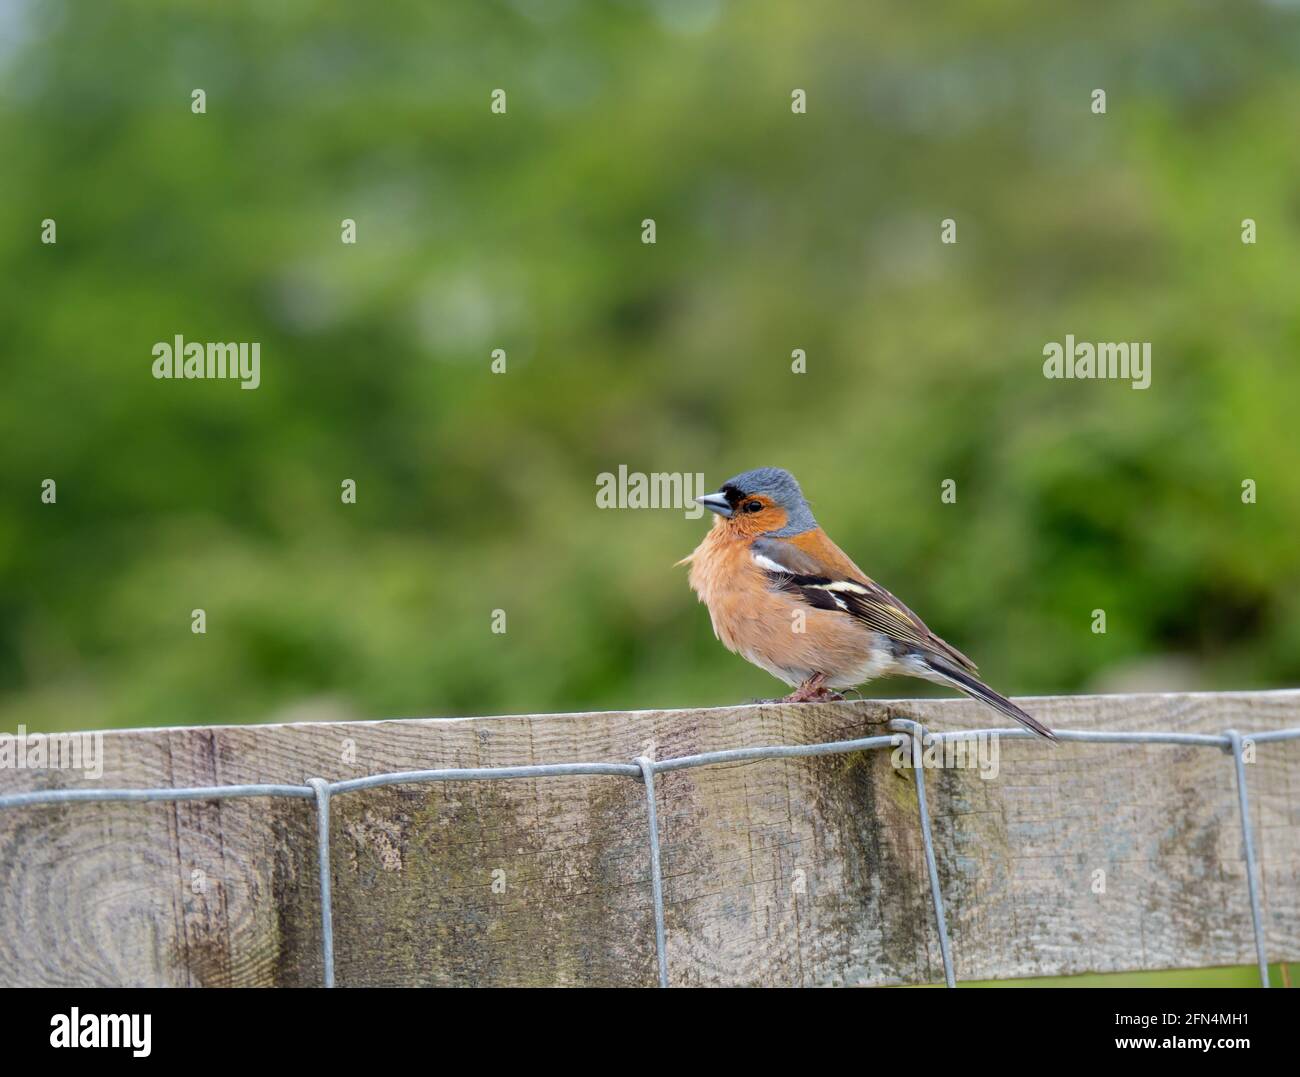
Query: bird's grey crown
x,y
782,488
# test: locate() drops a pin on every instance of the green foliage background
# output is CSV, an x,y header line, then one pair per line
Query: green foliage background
x,y
522,231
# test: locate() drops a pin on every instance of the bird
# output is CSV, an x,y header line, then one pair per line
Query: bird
x,y
783,596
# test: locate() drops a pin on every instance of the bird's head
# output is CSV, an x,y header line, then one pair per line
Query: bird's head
x,y
765,501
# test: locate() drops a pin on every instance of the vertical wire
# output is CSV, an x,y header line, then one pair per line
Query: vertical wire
x,y
322,790
656,875
1252,867
936,894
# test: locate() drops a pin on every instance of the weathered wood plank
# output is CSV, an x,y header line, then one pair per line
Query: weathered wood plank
x,y
806,871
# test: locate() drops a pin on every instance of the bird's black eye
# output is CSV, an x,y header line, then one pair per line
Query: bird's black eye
x,y
753,506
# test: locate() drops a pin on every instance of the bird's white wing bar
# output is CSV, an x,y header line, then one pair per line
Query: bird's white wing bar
x,y
842,585
768,565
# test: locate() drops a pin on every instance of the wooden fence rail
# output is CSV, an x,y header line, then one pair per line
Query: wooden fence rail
x,y
1051,860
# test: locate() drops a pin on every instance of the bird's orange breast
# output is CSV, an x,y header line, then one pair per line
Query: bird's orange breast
x,y
772,628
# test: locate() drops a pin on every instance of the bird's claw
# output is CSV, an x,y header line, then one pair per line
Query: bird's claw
x,y
813,691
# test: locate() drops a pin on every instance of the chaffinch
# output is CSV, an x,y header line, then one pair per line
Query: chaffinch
x,y
783,596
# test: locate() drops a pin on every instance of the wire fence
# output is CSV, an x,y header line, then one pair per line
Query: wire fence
x,y
644,770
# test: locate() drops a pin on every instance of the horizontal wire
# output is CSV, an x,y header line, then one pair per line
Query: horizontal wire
x,y
472,774
626,770
201,792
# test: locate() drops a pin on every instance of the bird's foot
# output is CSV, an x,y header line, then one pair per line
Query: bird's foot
x,y
813,690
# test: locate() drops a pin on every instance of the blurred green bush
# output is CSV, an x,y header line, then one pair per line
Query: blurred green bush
x,y
522,231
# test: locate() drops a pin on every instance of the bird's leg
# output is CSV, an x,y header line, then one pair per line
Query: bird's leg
x,y
813,690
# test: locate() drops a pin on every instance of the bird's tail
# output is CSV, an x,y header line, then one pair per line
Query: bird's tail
x,y
975,688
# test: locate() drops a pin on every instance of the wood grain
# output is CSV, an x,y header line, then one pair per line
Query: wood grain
x,y
783,872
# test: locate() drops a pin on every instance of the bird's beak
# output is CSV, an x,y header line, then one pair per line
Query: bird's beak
x,y
716,503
